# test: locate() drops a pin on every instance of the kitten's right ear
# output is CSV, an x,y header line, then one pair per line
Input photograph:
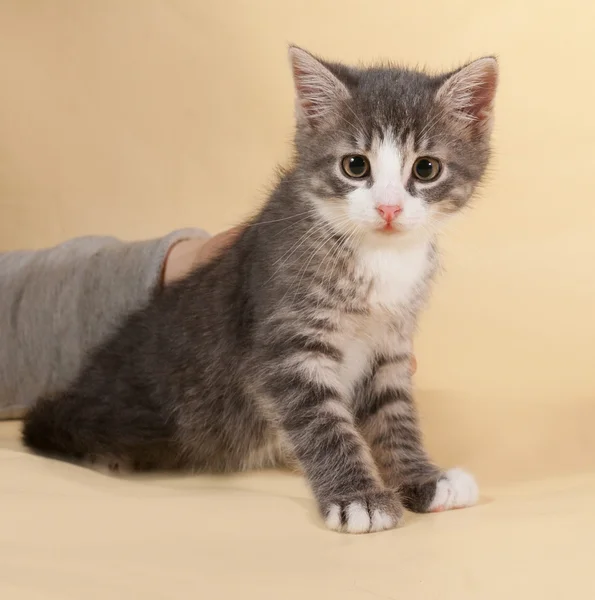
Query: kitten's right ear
x,y
318,91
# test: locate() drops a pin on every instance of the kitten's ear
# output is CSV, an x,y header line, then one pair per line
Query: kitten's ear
x,y
469,93
318,91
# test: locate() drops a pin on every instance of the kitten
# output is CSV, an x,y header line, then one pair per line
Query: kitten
x,y
294,346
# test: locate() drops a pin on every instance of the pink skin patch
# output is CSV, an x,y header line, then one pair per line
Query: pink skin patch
x,y
390,227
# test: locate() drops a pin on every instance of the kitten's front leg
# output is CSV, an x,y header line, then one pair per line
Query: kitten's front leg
x,y
306,396
388,419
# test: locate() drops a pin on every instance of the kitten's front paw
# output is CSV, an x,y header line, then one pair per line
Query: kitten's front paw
x,y
453,489
364,513
456,489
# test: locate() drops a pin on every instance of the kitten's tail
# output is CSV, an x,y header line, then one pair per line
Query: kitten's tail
x,y
78,428
63,426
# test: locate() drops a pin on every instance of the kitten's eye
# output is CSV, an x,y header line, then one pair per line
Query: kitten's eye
x,y
426,168
356,166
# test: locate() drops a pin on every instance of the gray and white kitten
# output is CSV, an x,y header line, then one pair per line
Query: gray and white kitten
x,y
294,346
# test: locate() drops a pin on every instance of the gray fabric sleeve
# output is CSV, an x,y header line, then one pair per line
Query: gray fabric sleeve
x,y
58,303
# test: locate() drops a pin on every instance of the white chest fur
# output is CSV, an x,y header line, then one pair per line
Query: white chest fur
x,y
394,280
395,274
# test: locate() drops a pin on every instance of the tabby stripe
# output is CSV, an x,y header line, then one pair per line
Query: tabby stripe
x,y
289,384
318,423
391,441
439,190
310,344
381,360
305,399
379,400
322,324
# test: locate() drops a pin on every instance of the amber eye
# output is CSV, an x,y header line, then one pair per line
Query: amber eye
x,y
356,166
426,168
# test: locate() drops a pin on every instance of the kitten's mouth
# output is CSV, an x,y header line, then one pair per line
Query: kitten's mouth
x,y
388,228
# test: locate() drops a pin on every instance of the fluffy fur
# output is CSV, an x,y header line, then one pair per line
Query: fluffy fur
x,y
294,346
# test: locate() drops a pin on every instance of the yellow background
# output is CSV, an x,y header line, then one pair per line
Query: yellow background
x,y
133,117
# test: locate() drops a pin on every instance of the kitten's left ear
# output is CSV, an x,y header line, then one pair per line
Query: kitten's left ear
x,y
318,91
469,92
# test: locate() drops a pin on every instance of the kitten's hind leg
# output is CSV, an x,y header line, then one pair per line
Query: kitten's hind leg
x,y
388,419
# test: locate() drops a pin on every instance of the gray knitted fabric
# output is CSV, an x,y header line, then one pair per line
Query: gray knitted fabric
x,y
58,303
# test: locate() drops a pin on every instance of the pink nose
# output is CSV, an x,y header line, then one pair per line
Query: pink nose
x,y
388,211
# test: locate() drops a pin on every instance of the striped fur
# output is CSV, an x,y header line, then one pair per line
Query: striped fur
x,y
293,347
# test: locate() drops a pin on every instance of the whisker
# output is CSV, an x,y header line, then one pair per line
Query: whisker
x,y
304,269
312,231
335,257
307,212
290,226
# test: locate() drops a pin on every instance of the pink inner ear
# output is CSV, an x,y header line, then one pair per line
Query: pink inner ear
x,y
483,95
318,90
470,91
305,91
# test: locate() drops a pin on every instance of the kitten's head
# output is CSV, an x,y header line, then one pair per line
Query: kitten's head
x,y
384,151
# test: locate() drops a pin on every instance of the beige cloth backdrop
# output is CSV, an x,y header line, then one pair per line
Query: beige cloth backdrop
x,y
133,117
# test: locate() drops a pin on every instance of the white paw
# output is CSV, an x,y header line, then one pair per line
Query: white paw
x,y
457,489
381,520
358,519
